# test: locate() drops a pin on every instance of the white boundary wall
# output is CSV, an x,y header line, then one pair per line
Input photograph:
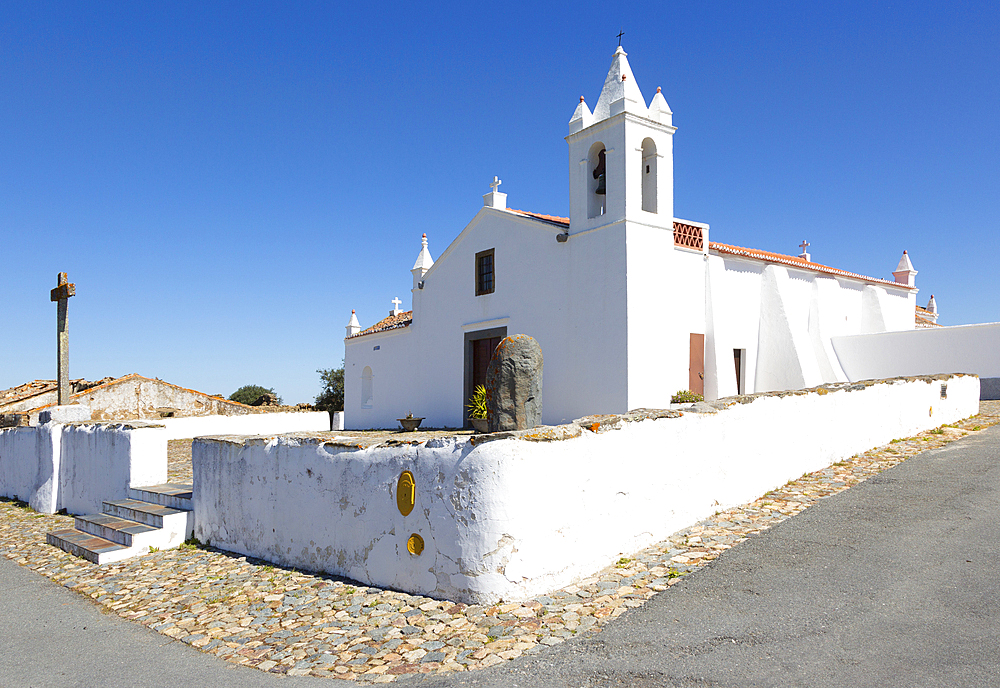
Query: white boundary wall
x,y
511,515
959,349
249,424
77,466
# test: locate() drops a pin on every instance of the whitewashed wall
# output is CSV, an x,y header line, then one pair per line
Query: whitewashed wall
x,y
510,518
250,424
76,467
785,319
100,461
960,349
666,303
29,468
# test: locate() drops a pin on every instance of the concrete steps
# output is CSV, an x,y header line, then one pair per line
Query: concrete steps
x,y
155,516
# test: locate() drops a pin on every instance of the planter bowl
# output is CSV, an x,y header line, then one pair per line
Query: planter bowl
x,y
409,424
480,424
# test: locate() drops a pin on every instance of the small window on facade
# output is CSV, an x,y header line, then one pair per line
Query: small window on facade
x,y
485,280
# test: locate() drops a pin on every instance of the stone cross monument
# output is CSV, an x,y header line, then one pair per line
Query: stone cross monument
x,y
61,295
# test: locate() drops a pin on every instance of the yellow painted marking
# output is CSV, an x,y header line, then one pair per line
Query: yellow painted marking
x,y
406,493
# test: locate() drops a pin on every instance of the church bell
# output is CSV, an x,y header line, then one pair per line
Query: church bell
x,y
601,189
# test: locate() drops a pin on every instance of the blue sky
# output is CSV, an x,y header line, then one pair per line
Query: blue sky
x,y
224,182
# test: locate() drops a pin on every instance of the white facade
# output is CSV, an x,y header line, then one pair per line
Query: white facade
x,y
591,290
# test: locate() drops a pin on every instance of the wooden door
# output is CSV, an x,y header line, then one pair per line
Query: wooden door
x,y
479,348
696,367
482,353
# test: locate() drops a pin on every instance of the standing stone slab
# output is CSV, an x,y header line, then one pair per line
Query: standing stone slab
x,y
514,385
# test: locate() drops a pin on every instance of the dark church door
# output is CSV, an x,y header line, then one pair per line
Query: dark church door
x,y
482,353
479,348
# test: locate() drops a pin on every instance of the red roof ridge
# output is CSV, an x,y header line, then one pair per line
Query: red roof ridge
x,y
794,261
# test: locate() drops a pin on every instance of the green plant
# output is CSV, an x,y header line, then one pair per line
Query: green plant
x,y
190,543
976,427
477,403
673,573
686,396
937,431
153,549
251,394
623,563
332,397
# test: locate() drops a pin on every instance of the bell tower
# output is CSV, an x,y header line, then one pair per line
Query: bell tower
x,y
621,164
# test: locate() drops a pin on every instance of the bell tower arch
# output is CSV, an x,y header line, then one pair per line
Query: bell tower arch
x,y
621,156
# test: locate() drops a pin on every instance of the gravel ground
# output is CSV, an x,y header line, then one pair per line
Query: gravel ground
x,y
293,622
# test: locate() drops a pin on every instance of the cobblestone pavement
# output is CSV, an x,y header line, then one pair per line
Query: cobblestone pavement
x,y
291,622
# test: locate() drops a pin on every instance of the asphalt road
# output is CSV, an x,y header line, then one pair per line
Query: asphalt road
x,y
891,583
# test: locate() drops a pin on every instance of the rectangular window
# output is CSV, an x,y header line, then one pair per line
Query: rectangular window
x,y
484,272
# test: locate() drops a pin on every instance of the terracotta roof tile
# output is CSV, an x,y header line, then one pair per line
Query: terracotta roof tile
x,y
769,257
82,390
36,387
552,219
393,322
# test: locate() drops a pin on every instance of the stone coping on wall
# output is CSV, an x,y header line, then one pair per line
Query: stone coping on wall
x,y
597,423
111,424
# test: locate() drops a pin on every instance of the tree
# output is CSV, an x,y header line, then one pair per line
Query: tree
x,y
251,395
332,397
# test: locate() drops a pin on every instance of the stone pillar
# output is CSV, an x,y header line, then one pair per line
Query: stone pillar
x,y
61,295
514,385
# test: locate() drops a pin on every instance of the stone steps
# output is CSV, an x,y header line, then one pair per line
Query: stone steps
x,y
87,546
173,495
155,516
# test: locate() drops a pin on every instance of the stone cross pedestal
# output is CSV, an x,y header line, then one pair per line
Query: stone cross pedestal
x,y
61,295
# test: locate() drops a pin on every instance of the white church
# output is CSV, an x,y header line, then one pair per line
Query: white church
x,y
590,289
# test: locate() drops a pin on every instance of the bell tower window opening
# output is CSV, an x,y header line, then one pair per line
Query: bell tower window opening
x,y
649,175
485,277
597,181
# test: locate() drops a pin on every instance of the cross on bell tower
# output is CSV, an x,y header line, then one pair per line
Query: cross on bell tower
x,y
61,295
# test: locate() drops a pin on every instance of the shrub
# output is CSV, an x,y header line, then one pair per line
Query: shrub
x,y
685,396
332,397
477,403
252,394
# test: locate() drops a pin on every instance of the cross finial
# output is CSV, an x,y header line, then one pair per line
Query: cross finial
x,y
804,245
495,183
395,302
620,34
